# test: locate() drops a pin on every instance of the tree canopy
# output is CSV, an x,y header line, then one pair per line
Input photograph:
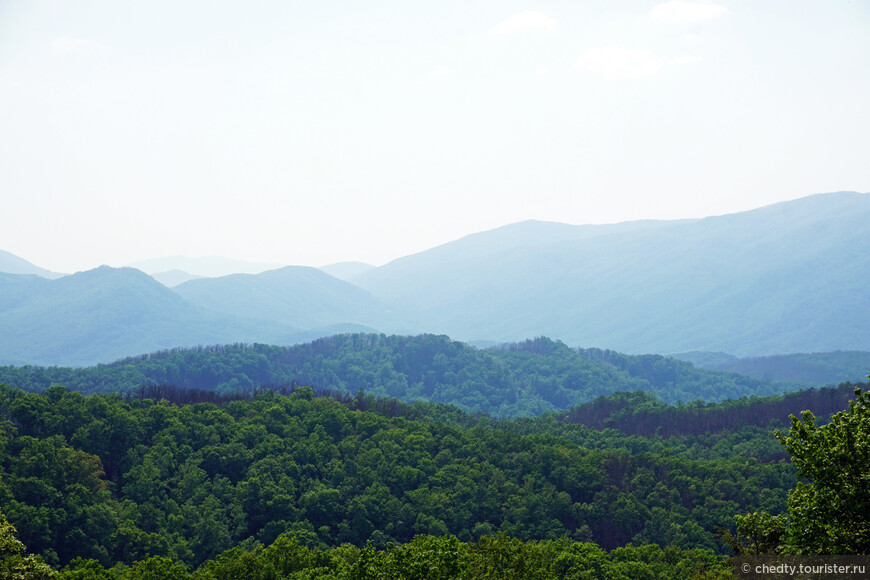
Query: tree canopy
x,y
519,379
830,513
307,484
14,562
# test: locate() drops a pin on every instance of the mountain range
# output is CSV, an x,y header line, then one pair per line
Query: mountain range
x,y
780,279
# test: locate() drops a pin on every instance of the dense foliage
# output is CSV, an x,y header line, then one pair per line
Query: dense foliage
x,y
640,413
13,562
115,480
521,379
429,558
425,557
831,512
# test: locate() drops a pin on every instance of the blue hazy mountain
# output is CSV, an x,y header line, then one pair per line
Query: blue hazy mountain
x,y
172,278
296,295
826,368
107,313
783,278
12,264
205,266
104,314
346,270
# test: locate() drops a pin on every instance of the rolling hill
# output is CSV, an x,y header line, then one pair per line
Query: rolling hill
x,y
516,379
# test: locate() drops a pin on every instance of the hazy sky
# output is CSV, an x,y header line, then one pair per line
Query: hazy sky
x,y
315,132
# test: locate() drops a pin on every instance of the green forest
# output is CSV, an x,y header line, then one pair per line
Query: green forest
x,y
104,486
284,480
519,379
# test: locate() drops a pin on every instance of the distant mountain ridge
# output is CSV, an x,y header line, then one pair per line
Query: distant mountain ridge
x,y
779,279
306,296
108,313
346,270
776,280
12,264
819,368
205,266
104,314
172,278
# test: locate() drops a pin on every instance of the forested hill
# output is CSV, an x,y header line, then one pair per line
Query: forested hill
x,y
639,413
518,379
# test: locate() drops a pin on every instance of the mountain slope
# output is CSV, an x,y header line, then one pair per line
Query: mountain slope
x,y
12,264
465,255
783,278
172,278
107,313
346,270
299,296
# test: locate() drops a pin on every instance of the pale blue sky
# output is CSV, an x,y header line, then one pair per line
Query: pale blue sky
x,y
316,132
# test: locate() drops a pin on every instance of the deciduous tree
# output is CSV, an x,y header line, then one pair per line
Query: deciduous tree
x,y
831,513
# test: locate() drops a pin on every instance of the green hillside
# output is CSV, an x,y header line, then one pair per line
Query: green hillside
x,y
517,379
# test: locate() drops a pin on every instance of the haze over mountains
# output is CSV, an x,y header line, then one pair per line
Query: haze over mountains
x,y
106,313
12,264
174,270
305,297
780,279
